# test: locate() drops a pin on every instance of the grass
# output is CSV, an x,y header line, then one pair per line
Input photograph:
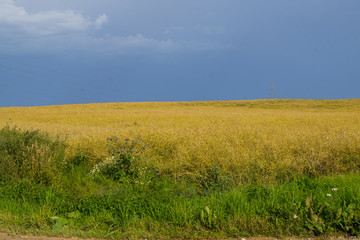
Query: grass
x,y
209,169
162,210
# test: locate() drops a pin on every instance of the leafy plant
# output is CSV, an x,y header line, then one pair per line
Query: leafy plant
x,y
60,223
313,221
323,218
123,163
207,217
348,219
213,179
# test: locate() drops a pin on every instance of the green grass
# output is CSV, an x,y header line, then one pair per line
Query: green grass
x,y
166,210
42,192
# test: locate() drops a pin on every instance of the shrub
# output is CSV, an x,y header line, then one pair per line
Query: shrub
x,y
123,163
29,154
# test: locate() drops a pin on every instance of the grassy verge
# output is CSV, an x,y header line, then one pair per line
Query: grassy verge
x,y
42,192
305,207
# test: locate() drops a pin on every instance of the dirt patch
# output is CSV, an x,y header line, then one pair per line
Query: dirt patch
x,y
7,236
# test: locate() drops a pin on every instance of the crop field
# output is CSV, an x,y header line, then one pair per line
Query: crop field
x,y
261,141
220,169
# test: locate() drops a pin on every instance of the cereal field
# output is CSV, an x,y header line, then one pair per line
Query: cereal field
x,y
253,141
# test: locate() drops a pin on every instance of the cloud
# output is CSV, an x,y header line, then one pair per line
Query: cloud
x,y
16,19
101,20
69,31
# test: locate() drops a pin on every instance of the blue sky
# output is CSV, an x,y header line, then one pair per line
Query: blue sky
x,y
84,51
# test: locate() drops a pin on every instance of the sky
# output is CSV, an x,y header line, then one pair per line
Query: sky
x,y
56,52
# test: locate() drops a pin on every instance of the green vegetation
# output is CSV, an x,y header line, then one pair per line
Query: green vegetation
x,y
29,154
43,191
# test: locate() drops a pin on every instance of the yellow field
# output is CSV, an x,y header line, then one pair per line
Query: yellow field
x,y
262,140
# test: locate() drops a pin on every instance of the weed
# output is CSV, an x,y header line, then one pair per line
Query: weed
x,y
30,154
123,163
207,217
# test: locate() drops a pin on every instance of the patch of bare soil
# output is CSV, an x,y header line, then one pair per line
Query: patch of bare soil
x,y
7,236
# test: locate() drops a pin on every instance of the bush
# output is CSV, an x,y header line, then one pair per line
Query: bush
x,y
29,154
123,163
213,179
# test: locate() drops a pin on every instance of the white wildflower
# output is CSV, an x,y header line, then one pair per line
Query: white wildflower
x,y
295,216
109,161
329,195
334,189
